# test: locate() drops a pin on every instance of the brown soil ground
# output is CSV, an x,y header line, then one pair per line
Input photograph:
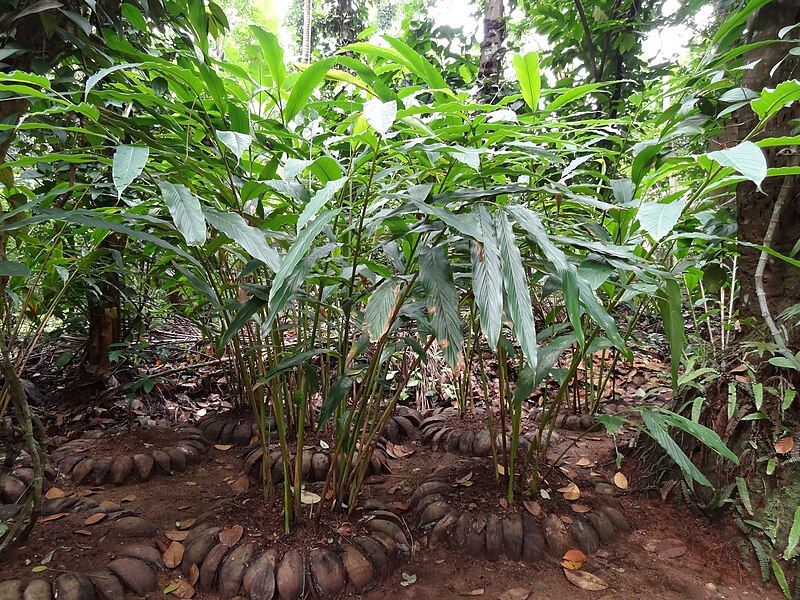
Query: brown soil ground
x,y
710,568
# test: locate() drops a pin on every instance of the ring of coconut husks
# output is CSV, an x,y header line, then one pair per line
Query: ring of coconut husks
x,y
85,464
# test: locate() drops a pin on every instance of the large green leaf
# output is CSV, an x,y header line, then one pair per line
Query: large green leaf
x,y
380,115
436,277
336,395
771,101
380,308
295,254
128,164
236,142
250,238
305,86
12,268
318,200
244,314
273,54
185,209
659,219
703,434
668,300
746,158
657,428
530,81
487,278
515,284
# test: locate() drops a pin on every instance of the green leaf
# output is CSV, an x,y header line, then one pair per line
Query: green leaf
x,y
319,200
659,219
250,238
771,101
380,309
575,93
293,360
709,437
134,16
336,394
295,254
273,54
236,142
744,494
657,429
668,300
794,536
102,74
12,268
244,314
305,86
487,278
380,115
746,158
530,81
515,284
436,277
780,577
185,209
128,164
418,64
642,160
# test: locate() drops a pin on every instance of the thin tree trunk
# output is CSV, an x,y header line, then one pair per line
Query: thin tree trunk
x,y
105,316
347,34
305,52
492,48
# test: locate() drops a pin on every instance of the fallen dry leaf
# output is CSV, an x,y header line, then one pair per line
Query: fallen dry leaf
x,y
515,594
620,480
532,507
85,532
580,508
570,492
129,498
223,447
185,524
54,517
465,478
784,445
231,536
54,493
242,484
194,573
173,555
108,506
585,581
584,462
176,536
477,592
671,548
95,518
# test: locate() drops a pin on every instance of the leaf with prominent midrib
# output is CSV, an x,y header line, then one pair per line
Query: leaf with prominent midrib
x,y
250,238
487,278
436,277
746,158
129,162
515,283
185,209
380,308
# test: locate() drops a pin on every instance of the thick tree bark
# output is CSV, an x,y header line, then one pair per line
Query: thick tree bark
x,y
755,209
346,19
492,47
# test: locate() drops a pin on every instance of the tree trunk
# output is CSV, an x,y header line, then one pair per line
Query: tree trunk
x,y
492,48
345,18
305,51
105,315
781,281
